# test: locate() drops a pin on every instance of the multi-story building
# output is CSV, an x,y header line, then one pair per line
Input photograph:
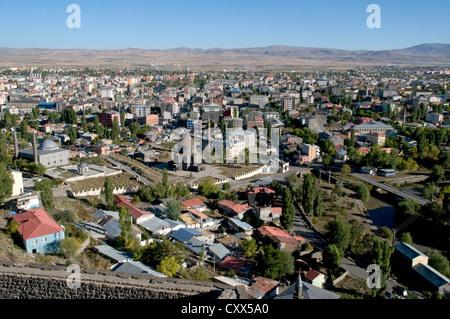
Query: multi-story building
x,y
140,110
312,151
107,118
287,103
371,127
376,138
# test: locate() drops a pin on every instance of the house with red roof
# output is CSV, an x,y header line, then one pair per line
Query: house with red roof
x,y
195,203
233,209
282,239
40,233
136,213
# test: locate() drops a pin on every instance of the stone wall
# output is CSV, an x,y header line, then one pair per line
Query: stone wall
x,y
36,281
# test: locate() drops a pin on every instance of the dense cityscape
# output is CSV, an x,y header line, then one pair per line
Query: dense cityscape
x,y
261,184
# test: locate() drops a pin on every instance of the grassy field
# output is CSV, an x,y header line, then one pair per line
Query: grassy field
x,y
120,180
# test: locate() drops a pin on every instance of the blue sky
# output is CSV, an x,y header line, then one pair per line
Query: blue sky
x,y
166,24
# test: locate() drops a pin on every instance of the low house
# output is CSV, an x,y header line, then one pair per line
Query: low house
x,y
233,209
263,288
113,254
218,252
186,234
238,226
200,219
304,290
156,226
197,246
282,239
239,266
195,203
175,224
314,277
136,213
136,267
269,213
28,201
260,196
39,232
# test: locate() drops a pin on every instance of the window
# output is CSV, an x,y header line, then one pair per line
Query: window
x,y
43,239
34,242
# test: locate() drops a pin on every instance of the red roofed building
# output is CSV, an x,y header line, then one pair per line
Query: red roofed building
x,y
314,277
263,288
240,266
195,203
282,239
40,233
233,209
260,196
137,214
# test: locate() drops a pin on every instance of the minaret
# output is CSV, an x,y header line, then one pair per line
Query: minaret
x,y
16,146
35,148
299,288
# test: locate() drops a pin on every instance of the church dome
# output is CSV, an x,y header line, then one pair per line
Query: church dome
x,y
47,145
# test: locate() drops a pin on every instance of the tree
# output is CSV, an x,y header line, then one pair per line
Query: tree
x,y
363,192
12,227
407,207
386,233
66,216
346,169
6,182
406,238
249,247
309,193
338,233
430,190
107,191
437,173
84,125
115,129
69,116
4,158
165,181
287,218
332,259
45,190
69,247
276,263
356,237
439,262
226,186
72,133
154,253
208,187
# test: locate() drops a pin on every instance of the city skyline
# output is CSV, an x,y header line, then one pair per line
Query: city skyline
x,y
206,25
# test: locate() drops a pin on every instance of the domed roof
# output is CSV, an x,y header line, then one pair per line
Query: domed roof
x,y
48,144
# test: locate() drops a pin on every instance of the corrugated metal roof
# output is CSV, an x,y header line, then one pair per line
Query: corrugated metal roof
x,y
185,234
118,256
136,267
431,275
154,224
409,251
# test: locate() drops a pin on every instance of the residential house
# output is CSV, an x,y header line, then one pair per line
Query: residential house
x,y
260,196
282,239
113,254
186,234
233,209
239,226
136,267
238,265
136,213
263,288
39,232
195,203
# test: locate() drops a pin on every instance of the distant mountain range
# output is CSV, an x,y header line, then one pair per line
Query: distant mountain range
x,y
263,57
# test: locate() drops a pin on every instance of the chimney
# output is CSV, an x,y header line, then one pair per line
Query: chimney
x,y
35,148
16,146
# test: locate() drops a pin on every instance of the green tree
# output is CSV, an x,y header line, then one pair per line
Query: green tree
x,y
309,193
363,192
287,218
45,190
439,262
437,173
6,182
208,187
276,263
115,129
69,247
108,189
346,169
249,248
332,259
12,227
84,125
168,266
406,238
338,233
69,116
407,207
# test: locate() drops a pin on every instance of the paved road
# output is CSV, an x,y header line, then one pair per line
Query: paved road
x,y
128,169
314,237
390,188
